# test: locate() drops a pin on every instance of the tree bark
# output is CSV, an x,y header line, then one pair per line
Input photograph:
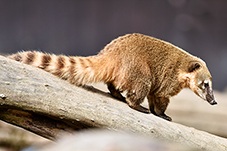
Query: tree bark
x,y
13,138
46,105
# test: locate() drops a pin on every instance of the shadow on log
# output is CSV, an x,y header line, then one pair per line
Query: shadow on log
x,y
46,105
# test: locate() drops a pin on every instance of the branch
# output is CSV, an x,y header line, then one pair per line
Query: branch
x,y
46,105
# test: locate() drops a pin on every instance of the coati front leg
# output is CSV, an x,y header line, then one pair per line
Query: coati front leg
x,y
151,99
158,105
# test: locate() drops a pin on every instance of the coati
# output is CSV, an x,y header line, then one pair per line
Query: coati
x,y
138,64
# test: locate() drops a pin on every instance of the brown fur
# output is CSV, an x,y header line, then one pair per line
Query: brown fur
x,y
142,66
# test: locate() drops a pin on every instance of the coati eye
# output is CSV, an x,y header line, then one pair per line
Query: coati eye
x,y
203,85
206,84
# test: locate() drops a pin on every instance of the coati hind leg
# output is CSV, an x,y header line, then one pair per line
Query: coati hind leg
x,y
132,99
135,97
115,93
158,105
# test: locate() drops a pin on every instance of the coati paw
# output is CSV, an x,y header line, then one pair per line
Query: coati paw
x,y
164,116
140,109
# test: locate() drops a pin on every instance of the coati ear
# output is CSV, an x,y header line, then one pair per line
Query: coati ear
x,y
193,66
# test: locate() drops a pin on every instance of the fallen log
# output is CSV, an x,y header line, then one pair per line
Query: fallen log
x,y
46,105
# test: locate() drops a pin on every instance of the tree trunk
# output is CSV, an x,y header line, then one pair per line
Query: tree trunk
x,y
46,105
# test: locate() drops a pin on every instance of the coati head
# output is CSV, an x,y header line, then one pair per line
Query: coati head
x,y
199,80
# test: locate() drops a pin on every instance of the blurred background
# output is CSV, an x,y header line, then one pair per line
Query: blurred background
x,y
84,27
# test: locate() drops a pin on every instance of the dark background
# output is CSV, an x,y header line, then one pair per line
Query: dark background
x,y
83,27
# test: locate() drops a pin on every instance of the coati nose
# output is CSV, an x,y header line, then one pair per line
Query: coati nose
x,y
210,96
213,102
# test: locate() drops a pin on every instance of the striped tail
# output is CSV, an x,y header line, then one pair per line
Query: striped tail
x,y
76,70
